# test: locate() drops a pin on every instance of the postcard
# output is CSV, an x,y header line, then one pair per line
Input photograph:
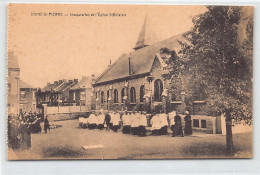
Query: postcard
x,y
129,81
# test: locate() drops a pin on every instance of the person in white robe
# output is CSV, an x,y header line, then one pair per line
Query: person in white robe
x,y
163,122
126,123
115,120
171,120
135,123
142,124
155,122
92,121
84,122
101,121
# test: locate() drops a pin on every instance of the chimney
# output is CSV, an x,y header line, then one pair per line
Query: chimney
x,y
60,81
110,63
76,80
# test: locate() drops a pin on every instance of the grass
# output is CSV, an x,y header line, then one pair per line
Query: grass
x,y
217,148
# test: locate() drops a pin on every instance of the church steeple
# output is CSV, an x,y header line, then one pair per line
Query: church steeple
x,y
146,37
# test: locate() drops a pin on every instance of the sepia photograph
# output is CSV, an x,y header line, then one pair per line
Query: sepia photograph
x,y
123,82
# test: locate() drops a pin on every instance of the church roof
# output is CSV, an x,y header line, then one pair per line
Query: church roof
x,y
12,61
141,60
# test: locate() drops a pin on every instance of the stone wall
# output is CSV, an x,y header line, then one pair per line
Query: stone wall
x,y
210,122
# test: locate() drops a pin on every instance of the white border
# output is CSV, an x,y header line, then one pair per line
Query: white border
x,y
241,166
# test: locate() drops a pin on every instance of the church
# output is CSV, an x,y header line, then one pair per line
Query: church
x,y
137,78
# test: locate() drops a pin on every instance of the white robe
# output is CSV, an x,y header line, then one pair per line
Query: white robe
x,y
126,120
84,120
115,119
143,120
81,119
135,120
155,122
101,119
92,119
163,120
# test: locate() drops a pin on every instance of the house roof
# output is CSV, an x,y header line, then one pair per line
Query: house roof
x,y
85,82
141,60
12,60
64,86
49,87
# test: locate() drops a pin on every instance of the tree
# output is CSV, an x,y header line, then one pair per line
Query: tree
x,y
215,57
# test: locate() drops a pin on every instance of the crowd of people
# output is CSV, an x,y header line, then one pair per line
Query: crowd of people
x,y
136,122
20,128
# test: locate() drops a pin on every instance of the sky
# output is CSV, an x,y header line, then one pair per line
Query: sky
x,y
51,48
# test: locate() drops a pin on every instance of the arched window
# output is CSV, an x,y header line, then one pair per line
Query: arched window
x,y
122,94
132,95
115,96
142,93
102,97
107,95
158,89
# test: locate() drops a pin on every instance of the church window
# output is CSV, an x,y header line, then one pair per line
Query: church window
x,y
108,95
102,97
142,93
115,96
122,94
132,95
158,89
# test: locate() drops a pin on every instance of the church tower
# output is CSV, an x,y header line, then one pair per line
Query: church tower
x,y
147,35
13,88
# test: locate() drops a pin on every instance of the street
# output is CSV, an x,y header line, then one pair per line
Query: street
x,y
67,141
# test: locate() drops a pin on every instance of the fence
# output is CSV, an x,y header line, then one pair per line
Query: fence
x,y
65,109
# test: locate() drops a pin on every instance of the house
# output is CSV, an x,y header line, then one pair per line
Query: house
x,y
81,94
27,102
56,93
13,89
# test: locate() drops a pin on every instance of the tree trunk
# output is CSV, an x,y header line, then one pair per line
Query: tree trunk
x,y
229,139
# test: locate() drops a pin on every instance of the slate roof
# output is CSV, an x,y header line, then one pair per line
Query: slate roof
x,y
51,86
83,83
141,60
64,86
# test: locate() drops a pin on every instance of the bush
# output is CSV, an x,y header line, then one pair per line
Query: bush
x,y
158,108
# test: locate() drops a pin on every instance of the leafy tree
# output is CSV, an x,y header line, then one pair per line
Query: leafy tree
x,y
215,59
